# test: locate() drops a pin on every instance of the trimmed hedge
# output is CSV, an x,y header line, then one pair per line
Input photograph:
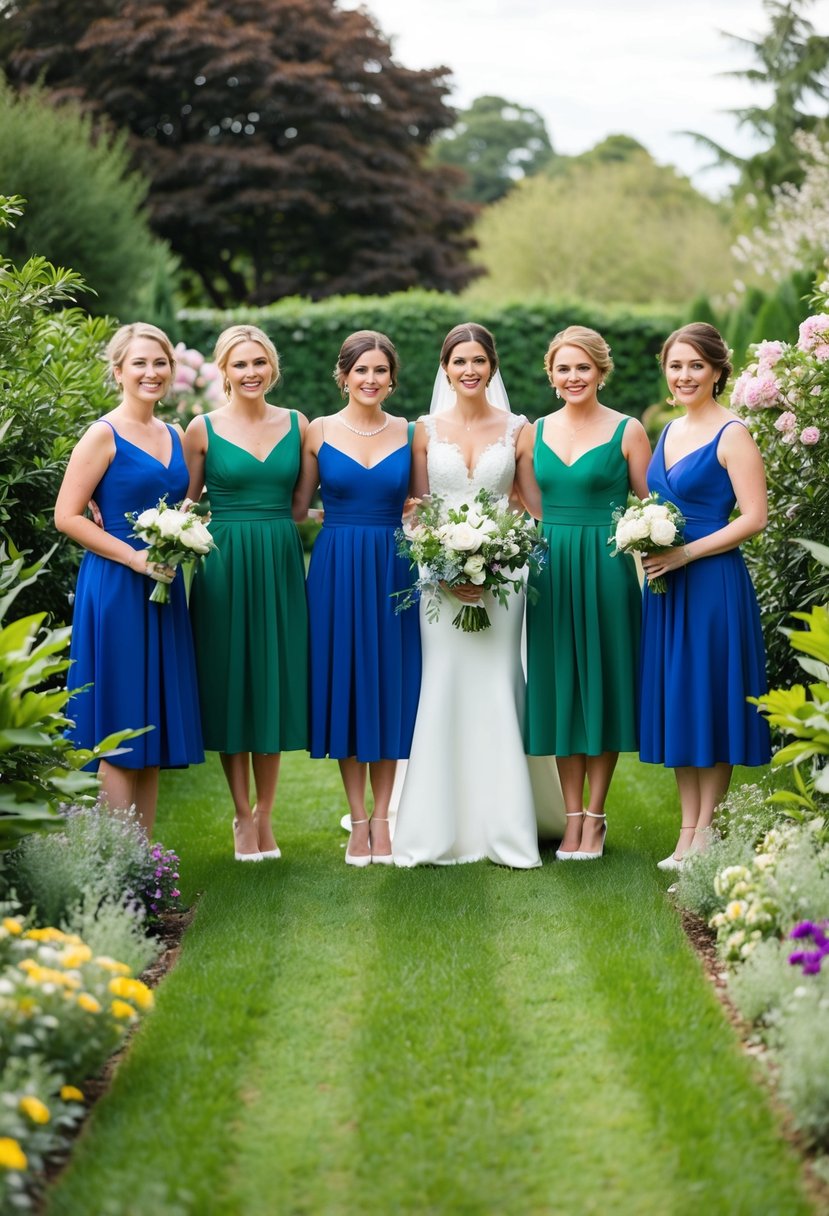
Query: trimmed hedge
x,y
308,337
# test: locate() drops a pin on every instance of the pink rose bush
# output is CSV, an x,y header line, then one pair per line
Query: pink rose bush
x,y
197,385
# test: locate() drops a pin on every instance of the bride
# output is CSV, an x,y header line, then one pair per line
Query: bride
x,y
467,793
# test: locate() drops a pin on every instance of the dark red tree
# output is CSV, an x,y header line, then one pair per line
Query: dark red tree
x,y
283,143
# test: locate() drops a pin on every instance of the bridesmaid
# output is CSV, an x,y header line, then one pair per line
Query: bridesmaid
x,y
131,660
364,657
702,645
574,467
248,601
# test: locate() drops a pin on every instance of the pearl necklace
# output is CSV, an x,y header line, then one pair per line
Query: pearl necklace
x,y
365,434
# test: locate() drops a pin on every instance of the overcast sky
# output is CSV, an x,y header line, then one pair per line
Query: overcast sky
x,y
646,68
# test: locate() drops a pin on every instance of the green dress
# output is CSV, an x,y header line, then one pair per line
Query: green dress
x,y
248,602
583,624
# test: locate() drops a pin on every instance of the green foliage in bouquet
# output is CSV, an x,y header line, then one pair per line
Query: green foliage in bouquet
x,y
53,384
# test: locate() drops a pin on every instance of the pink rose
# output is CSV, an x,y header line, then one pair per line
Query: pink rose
x,y
809,436
786,422
768,353
813,332
761,392
821,352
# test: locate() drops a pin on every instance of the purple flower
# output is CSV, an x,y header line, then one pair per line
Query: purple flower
x,y
810,960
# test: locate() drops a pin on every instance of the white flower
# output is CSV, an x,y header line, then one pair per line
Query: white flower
x,y
474,569
655,510
169,524
663,532
462,537
148,518
196,537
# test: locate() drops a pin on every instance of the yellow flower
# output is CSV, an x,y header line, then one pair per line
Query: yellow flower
x,y
12,1156
111,964
34,1109
48,935
75,956
29,965
121,1009
14,927
132,990
71,1093
88,1003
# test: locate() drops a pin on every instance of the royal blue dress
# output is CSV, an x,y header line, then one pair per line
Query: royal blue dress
x,y
137,656
702,645
364,656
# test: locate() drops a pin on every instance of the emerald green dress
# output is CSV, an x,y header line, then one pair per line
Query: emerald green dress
x,y
248,602
583,624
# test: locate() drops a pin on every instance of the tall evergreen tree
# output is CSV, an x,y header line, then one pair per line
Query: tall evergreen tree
x,y
283,143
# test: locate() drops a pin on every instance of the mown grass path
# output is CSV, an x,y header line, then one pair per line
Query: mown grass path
x,y
470,1040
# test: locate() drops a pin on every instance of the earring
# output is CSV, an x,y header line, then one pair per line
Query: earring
x,y
227,389
558,394
451,385
391,390
346,390
601,384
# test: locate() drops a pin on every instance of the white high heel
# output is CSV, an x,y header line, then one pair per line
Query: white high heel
x,y
256,856
359,859
381,859
561,855
673,862
581,855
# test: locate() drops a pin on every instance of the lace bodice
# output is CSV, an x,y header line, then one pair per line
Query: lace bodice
x,y
494,469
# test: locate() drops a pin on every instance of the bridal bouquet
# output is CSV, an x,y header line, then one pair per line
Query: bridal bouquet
x,y
647,525
485,543
173,536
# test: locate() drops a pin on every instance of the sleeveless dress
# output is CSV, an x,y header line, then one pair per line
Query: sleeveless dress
x,y
702,644
583,625
364,656
247,602
137,656
467,793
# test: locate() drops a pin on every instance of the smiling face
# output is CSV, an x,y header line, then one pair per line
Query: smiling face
x,y
469,369
248,370
145,371
369,380
691,378
574,374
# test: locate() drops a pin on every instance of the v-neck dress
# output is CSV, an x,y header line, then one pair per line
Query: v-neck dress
x,y
135,657
702,644
248,602
583,610
364,655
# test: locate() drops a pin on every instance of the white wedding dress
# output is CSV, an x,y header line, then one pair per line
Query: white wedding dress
x,y
467,792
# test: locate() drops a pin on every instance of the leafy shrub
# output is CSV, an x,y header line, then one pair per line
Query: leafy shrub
x,y
308,337
53,384
99,855
41,768
114,928
784,393
63,1011
85,205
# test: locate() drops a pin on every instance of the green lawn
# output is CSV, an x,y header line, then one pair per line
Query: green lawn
x,y
466,1040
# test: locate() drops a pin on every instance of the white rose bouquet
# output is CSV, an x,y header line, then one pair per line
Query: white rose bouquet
x,y
647,525
485,543
173,536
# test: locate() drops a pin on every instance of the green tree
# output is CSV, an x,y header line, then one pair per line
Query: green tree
x,y
85,206
496,143
792,65
627,231
283,143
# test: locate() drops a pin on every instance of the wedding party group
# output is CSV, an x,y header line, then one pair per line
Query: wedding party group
x,y
471,642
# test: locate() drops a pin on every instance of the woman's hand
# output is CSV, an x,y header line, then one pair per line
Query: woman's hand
x,y
657,565
467,593
154,570
410,506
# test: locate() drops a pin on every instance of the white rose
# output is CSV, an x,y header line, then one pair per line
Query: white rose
x,y
663,532
655,510
488,527
464,538
624,536
196,537
148,518
169,524
639,528
474,518
474,569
